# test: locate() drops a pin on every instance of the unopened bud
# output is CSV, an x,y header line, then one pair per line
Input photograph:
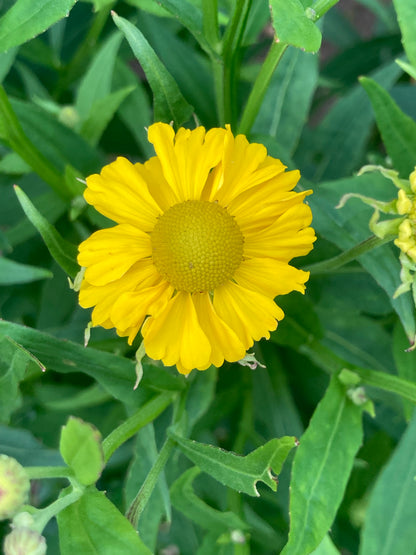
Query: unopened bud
x,y
14,486
24,541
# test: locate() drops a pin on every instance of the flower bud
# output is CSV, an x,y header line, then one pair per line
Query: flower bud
x,y
14,486
24,540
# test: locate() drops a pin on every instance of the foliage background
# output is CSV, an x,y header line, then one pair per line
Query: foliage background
x,y
76,98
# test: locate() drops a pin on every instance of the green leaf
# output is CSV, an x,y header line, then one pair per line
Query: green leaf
x,y
321,468
397,129
102,112
13,272
185,500
115,373
81,449
60,144
158,507
12,164
293,27
405,363
336,147
190,17
237,472
26,19
52,205
96,83
6,62
326,547
11,131
26,449
389,527
406,15
285,108
13,364
135,111
169,104
94,526
348,226
61,250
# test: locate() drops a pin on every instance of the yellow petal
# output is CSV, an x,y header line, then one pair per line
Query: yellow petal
x,y
241,159
121,194
131,307
108,254
186,159
152,173
270,277
285,239
175,335
249,314
142,274
224,342
260,206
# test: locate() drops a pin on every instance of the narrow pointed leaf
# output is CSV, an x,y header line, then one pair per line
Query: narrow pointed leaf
x,y
397,129
237,472
26,19
169,104
61,250
406,15
389,527
14,272
185,500
321,468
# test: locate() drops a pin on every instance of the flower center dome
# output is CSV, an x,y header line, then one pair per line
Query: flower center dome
x,y
196,245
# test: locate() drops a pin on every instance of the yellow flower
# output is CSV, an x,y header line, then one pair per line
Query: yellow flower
x,y
205,230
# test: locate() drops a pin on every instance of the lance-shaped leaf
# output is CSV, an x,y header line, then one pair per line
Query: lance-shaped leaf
x,y
14,272
321,469
169,104
14,360
397,129
389,527
114,373
292,26
26,19
406,15
235,471
185,500
64,252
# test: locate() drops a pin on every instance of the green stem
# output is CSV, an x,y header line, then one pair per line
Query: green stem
x,y
331,363
347,256
145,414
260,86
86,49
12,132
210,22
40,472
231,45
319,8
244,430
143,496
43,516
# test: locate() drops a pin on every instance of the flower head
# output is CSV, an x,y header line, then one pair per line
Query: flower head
x,y
205,232
14,486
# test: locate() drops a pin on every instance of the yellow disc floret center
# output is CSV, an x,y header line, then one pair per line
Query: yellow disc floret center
x,y
197,246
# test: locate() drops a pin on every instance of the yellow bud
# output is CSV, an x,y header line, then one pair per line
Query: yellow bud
x,y
404,204
24,540
14,486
